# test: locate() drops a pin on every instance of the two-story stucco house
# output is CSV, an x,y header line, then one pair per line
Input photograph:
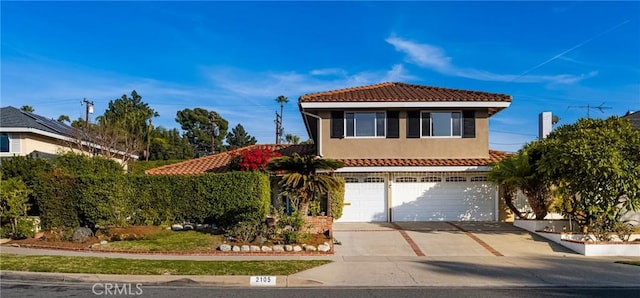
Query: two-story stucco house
x,y
412,152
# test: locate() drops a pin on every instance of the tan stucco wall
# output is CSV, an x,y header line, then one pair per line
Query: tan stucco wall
x,y
402,147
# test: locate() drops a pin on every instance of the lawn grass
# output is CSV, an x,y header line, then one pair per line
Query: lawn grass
x,y
636,263
96,265
169,241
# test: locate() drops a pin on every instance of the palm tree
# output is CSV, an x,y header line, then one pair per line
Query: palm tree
x,y
281,100
292,139
302,180
518,172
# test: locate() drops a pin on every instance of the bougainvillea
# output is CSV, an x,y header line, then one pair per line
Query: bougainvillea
x,y
253,159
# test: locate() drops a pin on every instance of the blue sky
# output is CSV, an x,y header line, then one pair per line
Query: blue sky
x,y
237,57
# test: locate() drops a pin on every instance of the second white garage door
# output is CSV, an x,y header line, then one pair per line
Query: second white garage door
x,y
442,198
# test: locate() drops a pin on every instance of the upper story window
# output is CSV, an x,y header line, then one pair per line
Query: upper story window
x,y
9,143
441,124
365,124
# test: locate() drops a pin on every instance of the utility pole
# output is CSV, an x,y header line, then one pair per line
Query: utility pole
x,y
589,107
88,110
278,127
149,129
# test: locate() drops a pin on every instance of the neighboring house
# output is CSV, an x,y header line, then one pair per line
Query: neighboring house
x,y
23,133
635,118
412,152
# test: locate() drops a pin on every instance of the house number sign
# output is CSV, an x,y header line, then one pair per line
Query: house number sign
x,y
263,281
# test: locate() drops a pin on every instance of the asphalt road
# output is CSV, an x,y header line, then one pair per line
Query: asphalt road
x,y
21,289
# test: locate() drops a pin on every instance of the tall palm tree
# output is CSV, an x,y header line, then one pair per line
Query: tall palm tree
x,y
301,177
281,100
518,172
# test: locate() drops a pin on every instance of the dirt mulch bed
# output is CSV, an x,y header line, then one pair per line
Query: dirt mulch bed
x,y
139,232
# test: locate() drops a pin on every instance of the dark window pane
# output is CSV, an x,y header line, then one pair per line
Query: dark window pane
x,y
380,124
441,124
456,124
426,124
4,142
350,124
365,124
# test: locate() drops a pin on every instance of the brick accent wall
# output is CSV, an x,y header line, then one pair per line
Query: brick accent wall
x,y
319,225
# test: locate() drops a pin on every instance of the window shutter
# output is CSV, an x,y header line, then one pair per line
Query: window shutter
x,y
14,142
426,124
469,124
337,125
393,124
413,124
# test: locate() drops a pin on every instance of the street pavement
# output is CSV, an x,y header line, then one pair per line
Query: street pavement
x,y
403,255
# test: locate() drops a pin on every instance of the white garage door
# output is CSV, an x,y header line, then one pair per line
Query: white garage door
x,y
428,197
365,199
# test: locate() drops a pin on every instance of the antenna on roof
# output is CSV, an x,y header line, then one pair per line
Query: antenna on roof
x,y
600,108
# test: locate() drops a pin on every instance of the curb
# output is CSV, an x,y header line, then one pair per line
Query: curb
x,y
282,281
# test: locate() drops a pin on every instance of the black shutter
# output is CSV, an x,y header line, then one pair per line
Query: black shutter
x,y
413,124
393,124
337,125
468,124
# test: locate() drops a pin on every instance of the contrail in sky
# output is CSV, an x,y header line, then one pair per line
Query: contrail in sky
x,y
571,49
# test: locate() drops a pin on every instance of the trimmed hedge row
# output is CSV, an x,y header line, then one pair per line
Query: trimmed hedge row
x,y
117,200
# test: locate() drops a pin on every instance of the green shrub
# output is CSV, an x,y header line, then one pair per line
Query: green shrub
x,y
79,164
337,201
120,200
58,199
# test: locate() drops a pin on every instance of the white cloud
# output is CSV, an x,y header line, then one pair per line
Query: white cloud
x,y
435,58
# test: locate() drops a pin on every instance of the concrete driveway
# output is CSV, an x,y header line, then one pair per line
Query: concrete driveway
x,y
441,239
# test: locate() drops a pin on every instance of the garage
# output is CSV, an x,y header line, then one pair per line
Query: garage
x,y
364,199
428,196
442,197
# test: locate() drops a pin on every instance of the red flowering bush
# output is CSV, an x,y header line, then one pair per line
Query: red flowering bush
x,y
253,160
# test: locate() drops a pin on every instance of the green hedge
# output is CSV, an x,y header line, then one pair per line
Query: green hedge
x,y
117,200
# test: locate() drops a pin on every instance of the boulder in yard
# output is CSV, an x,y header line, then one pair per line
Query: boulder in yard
x,y
177,227
81,234
224,247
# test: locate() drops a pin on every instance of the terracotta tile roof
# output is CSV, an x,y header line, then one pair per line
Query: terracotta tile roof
x,y
494,156
219,163
402,92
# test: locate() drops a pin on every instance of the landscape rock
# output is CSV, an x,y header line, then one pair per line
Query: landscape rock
x,y
225,247
81,234
235,248
177,227
288,247
324,247
254,248
188,227
261,240
199,227
266,248
310,248
103,242
297,248
278,248
245,248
